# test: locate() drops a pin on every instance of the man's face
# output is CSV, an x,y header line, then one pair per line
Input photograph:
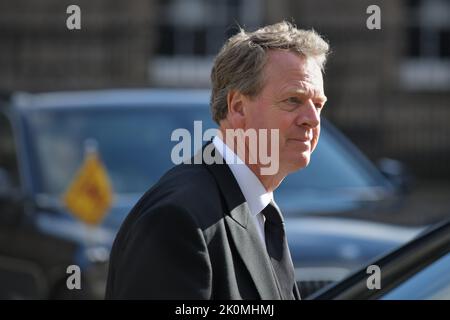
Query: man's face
x,y
291,101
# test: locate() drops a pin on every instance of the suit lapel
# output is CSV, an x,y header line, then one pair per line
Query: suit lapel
x,y
253,254
244,232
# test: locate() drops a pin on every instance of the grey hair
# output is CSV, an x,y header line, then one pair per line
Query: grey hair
x,y
240,63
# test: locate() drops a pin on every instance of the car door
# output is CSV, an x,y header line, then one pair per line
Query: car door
x,y
417,270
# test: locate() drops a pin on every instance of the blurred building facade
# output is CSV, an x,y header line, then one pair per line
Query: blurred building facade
x,y
388,89
38,52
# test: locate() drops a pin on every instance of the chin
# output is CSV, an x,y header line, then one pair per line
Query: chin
x,y
299,163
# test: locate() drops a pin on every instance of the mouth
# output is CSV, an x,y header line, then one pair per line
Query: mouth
x,y
304,143
306,140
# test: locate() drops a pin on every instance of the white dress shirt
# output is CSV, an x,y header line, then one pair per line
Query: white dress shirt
x,y
255,194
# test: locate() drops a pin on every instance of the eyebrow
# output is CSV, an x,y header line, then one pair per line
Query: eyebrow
x,y
303,92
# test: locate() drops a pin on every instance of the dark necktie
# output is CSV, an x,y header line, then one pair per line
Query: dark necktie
x,y
278,250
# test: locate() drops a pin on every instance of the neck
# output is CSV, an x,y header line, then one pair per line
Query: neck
x,y
270,182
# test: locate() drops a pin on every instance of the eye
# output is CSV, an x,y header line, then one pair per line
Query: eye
x,y
293,100
318,106
291,104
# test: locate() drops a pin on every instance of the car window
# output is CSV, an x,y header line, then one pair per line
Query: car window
x,y
431,283
332,166
135,145
336,169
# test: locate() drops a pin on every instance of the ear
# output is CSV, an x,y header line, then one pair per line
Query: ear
x,y
236,110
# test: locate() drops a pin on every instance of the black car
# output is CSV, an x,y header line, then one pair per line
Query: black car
x,y
419,270
42,146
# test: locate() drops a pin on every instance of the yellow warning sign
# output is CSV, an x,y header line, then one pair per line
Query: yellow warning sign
x,y
89,196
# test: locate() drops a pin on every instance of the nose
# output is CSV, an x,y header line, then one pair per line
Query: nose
x,y
308,116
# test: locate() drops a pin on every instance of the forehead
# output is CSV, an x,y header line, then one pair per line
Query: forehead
x,y
289,69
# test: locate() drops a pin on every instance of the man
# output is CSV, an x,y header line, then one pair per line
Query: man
x,y
213,231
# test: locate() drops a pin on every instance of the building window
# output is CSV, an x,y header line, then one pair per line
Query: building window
x,y
190,33
427,63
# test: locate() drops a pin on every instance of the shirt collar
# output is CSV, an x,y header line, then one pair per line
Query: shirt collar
x,y
255,194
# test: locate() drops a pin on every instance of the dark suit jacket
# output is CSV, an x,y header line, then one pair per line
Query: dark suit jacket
x,y
191,237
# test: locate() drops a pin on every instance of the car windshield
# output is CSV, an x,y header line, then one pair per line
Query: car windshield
x,y
135,146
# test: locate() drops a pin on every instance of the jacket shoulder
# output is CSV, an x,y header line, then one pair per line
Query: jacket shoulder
x,y
189,187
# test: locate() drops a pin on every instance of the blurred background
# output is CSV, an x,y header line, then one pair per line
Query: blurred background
x,y
388,90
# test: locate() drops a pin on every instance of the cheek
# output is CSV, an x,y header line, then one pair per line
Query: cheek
x,y
285,123
257,116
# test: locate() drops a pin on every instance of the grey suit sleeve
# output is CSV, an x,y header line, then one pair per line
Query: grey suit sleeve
x,y
164,256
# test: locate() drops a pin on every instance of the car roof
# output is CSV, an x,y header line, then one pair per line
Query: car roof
x,y
110,98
